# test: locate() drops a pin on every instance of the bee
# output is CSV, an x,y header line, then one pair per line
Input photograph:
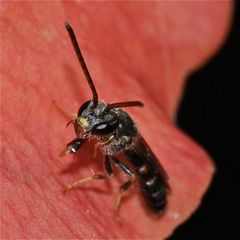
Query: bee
x,y
117,133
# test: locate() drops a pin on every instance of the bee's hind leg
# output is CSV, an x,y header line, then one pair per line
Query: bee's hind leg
x,y
124,186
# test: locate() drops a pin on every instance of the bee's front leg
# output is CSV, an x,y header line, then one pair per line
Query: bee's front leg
x,y
73,146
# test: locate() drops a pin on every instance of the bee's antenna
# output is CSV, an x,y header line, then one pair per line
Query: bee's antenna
x,y
123,104
82,63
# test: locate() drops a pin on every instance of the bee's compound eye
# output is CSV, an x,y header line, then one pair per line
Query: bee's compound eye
x,y
83,107
105,128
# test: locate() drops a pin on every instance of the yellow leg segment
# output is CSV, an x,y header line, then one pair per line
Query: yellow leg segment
x,y
78,183
118,198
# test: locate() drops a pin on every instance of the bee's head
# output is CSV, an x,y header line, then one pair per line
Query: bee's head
x,y
94,116
97,120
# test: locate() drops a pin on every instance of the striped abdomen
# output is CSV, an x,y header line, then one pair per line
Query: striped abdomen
x,y
152,177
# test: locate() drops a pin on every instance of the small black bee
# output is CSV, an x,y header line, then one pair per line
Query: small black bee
x,y
117,134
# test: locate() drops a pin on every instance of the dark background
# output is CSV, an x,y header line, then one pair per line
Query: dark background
x,y
208,113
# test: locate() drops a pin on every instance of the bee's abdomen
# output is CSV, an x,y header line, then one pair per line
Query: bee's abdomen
x,y
152,179
153,187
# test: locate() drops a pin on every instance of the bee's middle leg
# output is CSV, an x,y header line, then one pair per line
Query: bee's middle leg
x,y
108,175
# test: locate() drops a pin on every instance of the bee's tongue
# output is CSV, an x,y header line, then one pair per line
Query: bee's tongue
x,y
134,52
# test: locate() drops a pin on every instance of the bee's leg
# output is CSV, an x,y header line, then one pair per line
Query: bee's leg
x,y
72,147
124,186
108,175
64,112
